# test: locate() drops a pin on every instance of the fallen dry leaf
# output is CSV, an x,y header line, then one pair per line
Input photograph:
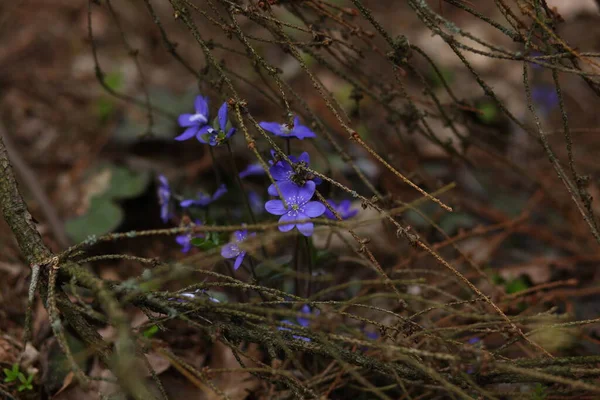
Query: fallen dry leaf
x,y
236,385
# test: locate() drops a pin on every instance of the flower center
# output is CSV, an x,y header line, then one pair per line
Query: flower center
x,y
198,117
285,129
295,207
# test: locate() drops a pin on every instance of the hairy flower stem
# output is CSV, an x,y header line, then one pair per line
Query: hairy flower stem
x,y
248,206
288,146
310,266
240,184
297,266
215,167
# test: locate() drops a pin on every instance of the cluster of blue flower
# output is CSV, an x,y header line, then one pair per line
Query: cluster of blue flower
x,y
295,189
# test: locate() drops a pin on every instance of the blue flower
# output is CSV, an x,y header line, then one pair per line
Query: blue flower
x,y
300,208
255,202
164,195
474,340
215,137
545,97
252,169
371,335
185,239
232,249
194,122
343,209
282,171
284,130
202,199
302,321
535,54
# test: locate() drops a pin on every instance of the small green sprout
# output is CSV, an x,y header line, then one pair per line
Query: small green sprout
x,y
12,374
15,375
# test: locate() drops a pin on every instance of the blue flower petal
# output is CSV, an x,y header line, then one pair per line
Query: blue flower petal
x,y
272,127
230,133
201,105
240,236
282,171
239,260
306,228
186,203
185,120
252,169
223,116
304,157
219,192
287,218
203,134
275,207
306,192
230,250
188,133
272,190
314,209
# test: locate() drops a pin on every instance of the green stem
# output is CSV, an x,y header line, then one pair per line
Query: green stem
x,y
215,167
240,184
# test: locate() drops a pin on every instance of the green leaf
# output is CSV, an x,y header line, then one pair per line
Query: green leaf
x,y
103,216
342,94
114,80
9,376
126,183
498,279
150,332
104,108
488,113
516,285
539,392
12,374
135,123
203,244
105,105
210,241
436,80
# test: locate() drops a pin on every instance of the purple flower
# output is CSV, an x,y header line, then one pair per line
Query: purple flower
x,y
284,130
255,202
300,209
232,249
302,321
343,209
252,169
536,54
185,239
372,335
474,340
282,171
218,135
194,122
164,195
545,97
202,199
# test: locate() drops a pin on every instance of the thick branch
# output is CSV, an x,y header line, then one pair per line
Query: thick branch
x,y
16,214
